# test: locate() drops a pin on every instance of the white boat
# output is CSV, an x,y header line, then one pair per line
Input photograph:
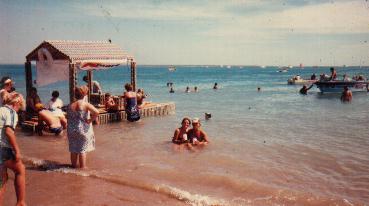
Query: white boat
x,y
337,86
297,80
171,68
283,69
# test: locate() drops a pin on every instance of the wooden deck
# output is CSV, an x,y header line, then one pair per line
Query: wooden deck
x,y
149,110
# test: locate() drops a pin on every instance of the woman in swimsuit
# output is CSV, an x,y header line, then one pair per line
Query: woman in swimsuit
x,y
196,135
180,134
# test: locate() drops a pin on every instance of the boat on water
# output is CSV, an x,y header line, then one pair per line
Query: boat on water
x,y
337,86
283,69
171,68
297,80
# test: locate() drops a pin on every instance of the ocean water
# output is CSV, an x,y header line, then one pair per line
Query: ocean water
x,y
274,147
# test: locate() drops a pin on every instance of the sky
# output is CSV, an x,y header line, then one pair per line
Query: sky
x,y
196,32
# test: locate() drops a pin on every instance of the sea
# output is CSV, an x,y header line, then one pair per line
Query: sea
x,y
267,147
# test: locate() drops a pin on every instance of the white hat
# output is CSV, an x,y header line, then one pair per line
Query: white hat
x,y
195,120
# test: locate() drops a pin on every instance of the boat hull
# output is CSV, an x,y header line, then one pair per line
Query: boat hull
x,y
300,82
337,86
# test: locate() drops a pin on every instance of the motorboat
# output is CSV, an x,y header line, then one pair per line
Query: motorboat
x,y
337,86
171,68
283,69
297,80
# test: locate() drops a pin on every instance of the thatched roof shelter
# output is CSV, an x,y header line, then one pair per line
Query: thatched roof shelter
x,y
83,55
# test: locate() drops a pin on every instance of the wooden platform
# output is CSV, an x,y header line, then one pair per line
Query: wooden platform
x,y
149,110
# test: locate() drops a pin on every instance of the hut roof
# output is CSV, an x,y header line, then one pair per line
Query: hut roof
x,y
78,51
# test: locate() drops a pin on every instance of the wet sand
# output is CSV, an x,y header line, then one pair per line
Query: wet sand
x,y
44,188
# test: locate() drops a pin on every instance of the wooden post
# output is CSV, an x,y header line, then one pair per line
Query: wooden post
x,y
89,83
72,82
28,73
133,74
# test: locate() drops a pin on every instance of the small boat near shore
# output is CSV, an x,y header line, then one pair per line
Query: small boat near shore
x,y
337,86
284,69
171,68
297,80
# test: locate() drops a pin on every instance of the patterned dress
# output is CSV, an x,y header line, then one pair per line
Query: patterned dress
x,y
80,134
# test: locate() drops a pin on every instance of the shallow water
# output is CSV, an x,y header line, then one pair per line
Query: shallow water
x,y
273,147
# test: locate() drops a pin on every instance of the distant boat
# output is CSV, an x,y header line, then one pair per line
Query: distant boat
x,y
229,66
297,80
262,66
171,68
283,69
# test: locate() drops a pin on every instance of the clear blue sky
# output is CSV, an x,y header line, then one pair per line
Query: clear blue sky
x,y
227,32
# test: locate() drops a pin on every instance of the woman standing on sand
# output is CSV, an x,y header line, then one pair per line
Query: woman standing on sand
x,y
81,136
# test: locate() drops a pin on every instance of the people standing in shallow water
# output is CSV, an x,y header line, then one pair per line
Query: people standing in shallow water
x,y
171,90
215,86
313,77
9,149
130,104
195,89
180,134
333,74
187,90
305,89
81,136
196,135
346,95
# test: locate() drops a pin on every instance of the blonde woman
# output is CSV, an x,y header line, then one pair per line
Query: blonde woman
x,y
196,135
81,136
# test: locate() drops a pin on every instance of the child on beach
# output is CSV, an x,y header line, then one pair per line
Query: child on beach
x,y
196,135
180,134
9,149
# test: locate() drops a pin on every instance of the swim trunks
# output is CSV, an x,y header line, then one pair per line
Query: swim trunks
x,y
56,130
7,154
